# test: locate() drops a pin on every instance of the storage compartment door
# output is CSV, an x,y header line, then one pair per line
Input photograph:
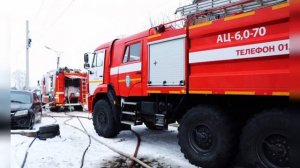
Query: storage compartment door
x,y
167,62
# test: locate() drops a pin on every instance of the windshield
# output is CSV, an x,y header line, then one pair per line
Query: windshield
x,y
20,97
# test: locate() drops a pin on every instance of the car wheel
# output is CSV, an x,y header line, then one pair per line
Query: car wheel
x,y
207,137
265,140
103,120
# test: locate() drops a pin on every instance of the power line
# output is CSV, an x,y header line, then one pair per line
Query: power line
x,y
41,35
62,13
39,9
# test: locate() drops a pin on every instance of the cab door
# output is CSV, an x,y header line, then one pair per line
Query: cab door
x,y
130,70
96,71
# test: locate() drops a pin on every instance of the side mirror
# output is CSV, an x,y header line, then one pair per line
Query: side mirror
x,y
86,58
86,66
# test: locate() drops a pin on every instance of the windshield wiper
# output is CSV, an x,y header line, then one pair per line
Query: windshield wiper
x,y
16,101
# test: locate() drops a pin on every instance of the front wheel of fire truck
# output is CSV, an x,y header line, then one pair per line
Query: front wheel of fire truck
x,y
265,141
206,137
103,120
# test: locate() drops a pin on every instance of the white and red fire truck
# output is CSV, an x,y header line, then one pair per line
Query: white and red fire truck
x,y
221,72
63,88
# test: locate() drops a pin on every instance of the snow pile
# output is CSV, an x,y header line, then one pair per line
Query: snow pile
x,y
158,148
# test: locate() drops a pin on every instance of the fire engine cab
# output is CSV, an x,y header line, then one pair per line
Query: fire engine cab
x,y
63,88
221,72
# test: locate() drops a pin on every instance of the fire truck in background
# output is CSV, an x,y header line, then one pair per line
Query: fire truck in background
x,y
63,88
221,72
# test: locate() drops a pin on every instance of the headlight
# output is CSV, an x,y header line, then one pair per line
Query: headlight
x,y
21,113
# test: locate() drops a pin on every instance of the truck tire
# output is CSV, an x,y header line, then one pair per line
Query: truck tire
x,y
207,138
48,131
295,149
103,120
49,128
265,140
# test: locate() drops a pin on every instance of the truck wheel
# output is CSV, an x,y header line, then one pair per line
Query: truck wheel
x,y
48,131
103,120
265,141
49,128
207,138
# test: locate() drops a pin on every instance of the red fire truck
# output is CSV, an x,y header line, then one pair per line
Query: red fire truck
x,y
63,88
221,72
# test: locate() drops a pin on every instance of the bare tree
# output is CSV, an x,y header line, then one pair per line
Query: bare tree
x,y
166,17
163,18
18,79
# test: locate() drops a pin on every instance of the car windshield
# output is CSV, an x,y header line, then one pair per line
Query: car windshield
x,y
20,97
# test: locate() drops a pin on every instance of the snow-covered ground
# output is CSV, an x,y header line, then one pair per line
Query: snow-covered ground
x,y
66,151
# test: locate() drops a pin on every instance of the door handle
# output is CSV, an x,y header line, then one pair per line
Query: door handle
x,y
138,72
101,76
91,72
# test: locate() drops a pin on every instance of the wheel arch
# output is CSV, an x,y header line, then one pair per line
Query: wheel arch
x,y
97,97
111,97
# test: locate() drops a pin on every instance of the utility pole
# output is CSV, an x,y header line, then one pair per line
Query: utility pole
x,y
58,59
28,41
58,53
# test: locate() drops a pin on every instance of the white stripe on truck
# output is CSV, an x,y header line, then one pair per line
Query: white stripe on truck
x,y
126,68
272,48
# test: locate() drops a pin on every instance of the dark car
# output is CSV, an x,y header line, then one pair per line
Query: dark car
x,y
26,109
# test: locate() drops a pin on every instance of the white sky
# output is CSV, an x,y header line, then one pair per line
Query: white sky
x,y
76,27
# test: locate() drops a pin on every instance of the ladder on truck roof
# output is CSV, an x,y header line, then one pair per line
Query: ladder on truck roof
x,y
215,9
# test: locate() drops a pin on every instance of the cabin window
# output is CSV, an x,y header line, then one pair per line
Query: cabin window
x,y
125,59
99,59
132,53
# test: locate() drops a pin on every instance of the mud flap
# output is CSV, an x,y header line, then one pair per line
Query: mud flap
x,y
111,95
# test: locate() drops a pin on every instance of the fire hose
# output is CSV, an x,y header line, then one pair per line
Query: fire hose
x,y
136,148
133,158
29,134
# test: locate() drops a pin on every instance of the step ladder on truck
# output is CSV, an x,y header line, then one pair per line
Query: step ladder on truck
x,y
84,93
